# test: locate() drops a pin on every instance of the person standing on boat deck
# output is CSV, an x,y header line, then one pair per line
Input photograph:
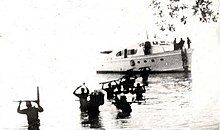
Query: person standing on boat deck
x,y
32,115
175,44
82,97
188,42
147,48
181,44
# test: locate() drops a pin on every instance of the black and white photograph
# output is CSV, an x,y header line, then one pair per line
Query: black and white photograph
x,y
110,65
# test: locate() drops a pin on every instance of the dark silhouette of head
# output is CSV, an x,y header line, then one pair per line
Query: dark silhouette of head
x,y
28,104
123,98
138,85
82,90
109,85
181,39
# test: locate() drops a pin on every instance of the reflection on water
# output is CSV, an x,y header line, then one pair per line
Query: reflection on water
x,y
91,120
167,106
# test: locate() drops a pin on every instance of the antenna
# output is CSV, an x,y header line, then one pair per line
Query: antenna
x,y
147,35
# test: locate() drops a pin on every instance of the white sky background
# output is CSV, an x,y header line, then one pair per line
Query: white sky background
x,y
54,44
45,42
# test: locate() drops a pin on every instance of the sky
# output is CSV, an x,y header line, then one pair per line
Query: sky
x,y
54,43
61,39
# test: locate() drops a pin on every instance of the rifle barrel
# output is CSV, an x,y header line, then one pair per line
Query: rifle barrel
x,y
38,95
26,101
110,81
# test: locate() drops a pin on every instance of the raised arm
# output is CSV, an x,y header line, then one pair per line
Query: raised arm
x,y
115,82
116,98
103,86
76,90
40,109
87,90
19,109
144,88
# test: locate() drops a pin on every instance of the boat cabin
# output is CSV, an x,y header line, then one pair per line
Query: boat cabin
x,y
145,48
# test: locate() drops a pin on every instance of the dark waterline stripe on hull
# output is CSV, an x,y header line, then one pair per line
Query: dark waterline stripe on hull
x,y
152,72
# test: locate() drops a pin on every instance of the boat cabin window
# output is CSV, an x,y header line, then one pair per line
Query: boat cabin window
x,y
132,52
106,52
155,43
120,53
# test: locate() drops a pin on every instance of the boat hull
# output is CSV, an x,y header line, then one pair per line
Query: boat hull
x,y
170,61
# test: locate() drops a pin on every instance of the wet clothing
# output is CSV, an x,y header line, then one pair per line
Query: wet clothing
x,y
32,116
139,92
34,126
145,74
110,92
82,97
83,100
123,105
128,84
122,115
92,109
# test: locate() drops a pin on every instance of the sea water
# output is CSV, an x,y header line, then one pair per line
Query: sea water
x,y
168,105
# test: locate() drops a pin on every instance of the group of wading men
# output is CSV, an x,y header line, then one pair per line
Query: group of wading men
x,y
121,87
115,91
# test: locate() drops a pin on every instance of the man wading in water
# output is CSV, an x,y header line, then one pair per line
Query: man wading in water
x,y
32,115
82,97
